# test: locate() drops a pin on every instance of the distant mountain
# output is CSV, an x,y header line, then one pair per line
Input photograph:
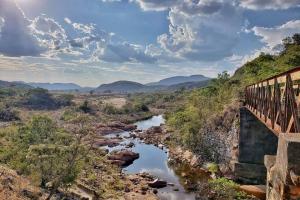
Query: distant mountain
x,y
6,84
121,87
133,87
188,85
56,86
179,79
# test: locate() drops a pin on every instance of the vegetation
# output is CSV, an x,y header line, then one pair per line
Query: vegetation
x,y
39,98
49,155
201,106
220,189
7,114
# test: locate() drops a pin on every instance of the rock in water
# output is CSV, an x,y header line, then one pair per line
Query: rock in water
x,y
157,183
123,158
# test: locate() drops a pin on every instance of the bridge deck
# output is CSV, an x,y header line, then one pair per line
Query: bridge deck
x,y
276,101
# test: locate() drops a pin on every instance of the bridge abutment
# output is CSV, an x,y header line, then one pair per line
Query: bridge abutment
x,y
255,141
283,180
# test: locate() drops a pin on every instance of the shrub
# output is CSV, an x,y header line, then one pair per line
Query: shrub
x,y
7,114
39,99
64,100
220,189
46,153
85,107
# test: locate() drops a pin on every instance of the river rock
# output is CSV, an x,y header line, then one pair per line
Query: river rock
x,y
123,158
154,129
130,145
157,183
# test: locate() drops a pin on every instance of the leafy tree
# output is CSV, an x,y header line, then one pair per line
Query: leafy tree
x,y
48,154
296,38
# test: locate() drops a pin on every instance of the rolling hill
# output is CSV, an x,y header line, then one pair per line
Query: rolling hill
x,y
179,79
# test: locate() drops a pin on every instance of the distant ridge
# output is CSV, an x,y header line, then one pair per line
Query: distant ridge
x,y
7,84
179,79
56,86
120,87
169,84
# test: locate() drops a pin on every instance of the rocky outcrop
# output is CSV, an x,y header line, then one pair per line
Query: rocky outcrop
x,y
113,127
219,140
123,158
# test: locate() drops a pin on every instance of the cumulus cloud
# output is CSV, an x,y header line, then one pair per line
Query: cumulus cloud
x,y
189,7
269,4
49,33
201,37
274,35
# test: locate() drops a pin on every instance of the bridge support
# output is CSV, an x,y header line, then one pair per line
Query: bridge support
x,y
283,180
255,141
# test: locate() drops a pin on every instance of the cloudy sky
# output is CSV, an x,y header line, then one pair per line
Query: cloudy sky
x,y
90,42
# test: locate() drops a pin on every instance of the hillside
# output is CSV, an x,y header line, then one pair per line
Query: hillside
x,y
179,79
56,86
120,87
6,84
216,106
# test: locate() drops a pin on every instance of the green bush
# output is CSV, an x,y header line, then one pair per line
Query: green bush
x,y
221,189
44,152
8,114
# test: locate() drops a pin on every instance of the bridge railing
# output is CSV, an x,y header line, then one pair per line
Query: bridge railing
x,y
275,101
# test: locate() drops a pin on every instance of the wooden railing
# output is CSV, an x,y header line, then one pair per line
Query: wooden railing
x,y
275,101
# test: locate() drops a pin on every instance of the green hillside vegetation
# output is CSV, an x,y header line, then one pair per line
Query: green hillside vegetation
x,y
203,106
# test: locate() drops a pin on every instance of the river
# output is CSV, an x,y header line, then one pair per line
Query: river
x,y
154,161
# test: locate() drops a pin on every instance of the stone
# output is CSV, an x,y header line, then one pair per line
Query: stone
x,y
123,158
283,172
157,183
258,191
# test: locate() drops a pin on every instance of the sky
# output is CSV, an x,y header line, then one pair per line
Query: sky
x,y
91,42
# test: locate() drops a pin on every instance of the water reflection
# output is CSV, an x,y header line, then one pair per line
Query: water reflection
x,y
155,161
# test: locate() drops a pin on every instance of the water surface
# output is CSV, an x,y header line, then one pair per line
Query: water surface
x,y
154,161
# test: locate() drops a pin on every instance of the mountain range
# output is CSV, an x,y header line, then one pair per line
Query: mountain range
x,y
172,83
168,84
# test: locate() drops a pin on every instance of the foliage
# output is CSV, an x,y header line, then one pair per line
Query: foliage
x,y
85,107
222,188
212,167
39,98
203,105
43,151
7,114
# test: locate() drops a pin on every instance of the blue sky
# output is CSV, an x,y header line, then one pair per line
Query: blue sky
x,y
90,42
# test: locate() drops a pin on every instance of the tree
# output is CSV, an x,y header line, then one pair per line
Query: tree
x,y
53,156
296,38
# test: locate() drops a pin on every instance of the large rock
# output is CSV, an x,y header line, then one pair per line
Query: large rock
x,y
154,129
157,183
123,158
258,191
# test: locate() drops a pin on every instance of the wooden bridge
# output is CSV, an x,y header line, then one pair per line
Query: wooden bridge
x,y
269,139
275,101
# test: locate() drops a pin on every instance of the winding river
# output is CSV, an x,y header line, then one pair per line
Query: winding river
x,y
154,161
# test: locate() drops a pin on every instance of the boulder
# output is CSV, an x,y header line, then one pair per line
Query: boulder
x,y
157,183
123,158
154,129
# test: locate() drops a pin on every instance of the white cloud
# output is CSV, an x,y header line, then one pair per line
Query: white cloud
x,y
49,33
189,7
269,4
203,37
274,35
